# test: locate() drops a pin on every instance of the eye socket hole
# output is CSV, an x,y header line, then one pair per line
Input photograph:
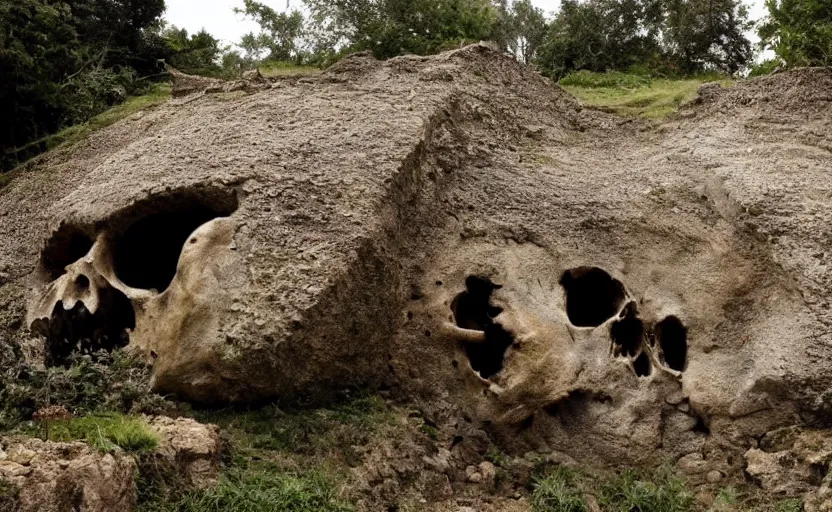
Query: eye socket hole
x,y
68,245
592,296
672,336
146,254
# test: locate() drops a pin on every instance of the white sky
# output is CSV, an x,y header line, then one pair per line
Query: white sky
x,y
217,17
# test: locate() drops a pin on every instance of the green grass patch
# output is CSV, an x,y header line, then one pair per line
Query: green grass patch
x,y
565,490
270,68
106,433
558,491
635,95
261,492
156,95
302,432
657,492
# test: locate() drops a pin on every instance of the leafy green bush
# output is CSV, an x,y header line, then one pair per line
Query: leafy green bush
x,y
799,31
106,432
114,382
260,492
764,68
558,492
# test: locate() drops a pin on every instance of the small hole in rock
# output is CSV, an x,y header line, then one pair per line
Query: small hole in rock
x,y
82,282
427,333
672,336
628,333
592,296
642,365
147,253
455,363
68,245
473,310
701,426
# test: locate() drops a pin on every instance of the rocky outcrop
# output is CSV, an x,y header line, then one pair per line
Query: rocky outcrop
x,y
189,448
457,229
795,462
55,477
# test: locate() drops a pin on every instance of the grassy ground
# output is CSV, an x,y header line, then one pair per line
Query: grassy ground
x,y
158,93
564,490
279,460
633,95
268,69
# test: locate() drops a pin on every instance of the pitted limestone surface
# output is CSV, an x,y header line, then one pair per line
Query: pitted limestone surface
x,y
459,230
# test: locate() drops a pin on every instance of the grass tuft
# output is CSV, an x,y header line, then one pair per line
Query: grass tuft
x,y
260,492
659,492
558,492
106,433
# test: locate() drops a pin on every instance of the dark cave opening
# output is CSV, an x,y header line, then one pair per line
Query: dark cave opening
x,y
642,366
68,245
672,336
628,333
77,332
147,253
592,296
473,310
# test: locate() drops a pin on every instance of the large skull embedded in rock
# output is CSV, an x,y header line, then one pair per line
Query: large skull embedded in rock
x,y
141,273
459,231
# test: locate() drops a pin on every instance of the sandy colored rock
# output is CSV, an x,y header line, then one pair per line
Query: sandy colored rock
x,y
190,448
462,231
53,477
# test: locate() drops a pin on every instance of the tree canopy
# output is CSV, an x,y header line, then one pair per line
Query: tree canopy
x,y
799,31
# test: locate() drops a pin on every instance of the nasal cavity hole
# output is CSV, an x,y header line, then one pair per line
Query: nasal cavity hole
x,y
642,366
82,282
592,296
66,246
473,310
672,336
147,253
627,333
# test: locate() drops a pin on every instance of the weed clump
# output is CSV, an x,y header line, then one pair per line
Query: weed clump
x,y
558,492
107,433
108,383
312,491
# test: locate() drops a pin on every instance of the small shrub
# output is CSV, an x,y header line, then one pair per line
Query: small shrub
x,y
558,492
766,67
105,433
660,492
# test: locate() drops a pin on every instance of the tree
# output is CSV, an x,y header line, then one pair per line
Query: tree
x,y
198,54
526,30
683,36
395,27
703,34
63,61
799,31
280,33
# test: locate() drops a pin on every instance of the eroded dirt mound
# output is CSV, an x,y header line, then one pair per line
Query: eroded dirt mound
x,y
459,230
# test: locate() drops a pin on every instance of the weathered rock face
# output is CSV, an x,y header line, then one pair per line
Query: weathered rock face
x,y
190,449
459,229
53,477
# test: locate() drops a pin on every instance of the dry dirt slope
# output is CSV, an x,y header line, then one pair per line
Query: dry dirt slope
x,y
459,230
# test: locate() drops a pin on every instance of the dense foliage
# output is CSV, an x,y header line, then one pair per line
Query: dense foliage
x,y
678,37
799,31
62,61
